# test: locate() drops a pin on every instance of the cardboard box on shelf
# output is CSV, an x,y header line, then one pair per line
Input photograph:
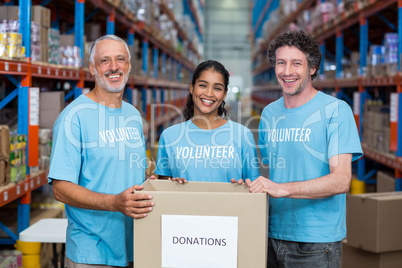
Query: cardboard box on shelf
x,y
51,103
4,154
69,40
374,221
10,12
52,100
93,31
41,15
354,257
385,182
203,199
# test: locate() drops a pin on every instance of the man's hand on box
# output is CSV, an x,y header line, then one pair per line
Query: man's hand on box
x,y
133,203
265,185
179,180
240,182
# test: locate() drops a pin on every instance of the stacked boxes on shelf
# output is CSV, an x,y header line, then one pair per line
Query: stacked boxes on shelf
x,y
45,148
374,236
385,182
50,105
4,154
10,43
40,17
391,53
376,126
17,157
383,59
11,258
54,46
69,53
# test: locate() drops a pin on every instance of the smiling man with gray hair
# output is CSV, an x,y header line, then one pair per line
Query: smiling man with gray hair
x,y
90,171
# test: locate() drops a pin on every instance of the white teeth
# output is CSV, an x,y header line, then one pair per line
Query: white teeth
x,y
289,81
114,76
207,101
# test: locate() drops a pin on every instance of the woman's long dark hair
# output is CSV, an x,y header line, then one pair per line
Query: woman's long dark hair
x,y
203,66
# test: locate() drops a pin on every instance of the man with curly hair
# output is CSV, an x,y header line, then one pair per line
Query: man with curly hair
x,y
309,140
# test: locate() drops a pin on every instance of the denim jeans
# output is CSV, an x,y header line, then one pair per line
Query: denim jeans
x,y
288,254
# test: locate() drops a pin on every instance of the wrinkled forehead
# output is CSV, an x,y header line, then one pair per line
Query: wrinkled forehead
x,y
110,48
290,53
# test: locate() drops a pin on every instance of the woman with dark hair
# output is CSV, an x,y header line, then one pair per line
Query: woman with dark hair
x,y
207,146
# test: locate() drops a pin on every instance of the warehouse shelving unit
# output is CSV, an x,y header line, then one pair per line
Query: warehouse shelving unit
x,y
117,20
351,25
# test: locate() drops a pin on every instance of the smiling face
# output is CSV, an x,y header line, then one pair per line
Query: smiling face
x,y
208,93
111,65
292,71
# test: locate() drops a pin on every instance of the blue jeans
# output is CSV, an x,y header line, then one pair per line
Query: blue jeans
x,y
288,254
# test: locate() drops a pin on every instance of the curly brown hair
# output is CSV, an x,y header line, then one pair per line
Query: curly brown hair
x,y
304,42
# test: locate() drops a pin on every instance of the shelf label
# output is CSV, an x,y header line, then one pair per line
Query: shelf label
x,y
148,96
32,184
356,103
38,180
5,196
18,189
19,67
6,67
34,106
158,96
135,97
57,71
64,72
39,70
48,71
394,103
71,73
26,185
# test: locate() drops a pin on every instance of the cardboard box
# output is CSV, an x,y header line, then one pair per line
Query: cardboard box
x,y
52,100
41,15
4,154
203,199
93,31
385,182
354,257
47,117
12,12
51,103
374,221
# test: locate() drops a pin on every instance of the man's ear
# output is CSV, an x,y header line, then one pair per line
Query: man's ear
x,y
91,68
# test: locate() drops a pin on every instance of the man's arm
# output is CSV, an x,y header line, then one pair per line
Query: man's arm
x,y
135,205
337,182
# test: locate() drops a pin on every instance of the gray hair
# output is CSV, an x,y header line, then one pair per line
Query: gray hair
x,y
107,37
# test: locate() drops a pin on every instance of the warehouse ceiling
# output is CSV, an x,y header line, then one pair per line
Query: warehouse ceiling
x,y
226,39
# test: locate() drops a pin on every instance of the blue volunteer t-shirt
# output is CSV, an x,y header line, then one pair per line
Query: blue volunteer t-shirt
x,y
101,149
297,144
217,155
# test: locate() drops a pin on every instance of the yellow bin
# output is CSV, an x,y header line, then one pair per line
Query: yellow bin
x,y
28,247
31,261
357,187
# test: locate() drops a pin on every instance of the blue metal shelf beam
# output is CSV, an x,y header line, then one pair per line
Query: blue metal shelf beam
x,y
45,2
399,35
339,53
8,98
